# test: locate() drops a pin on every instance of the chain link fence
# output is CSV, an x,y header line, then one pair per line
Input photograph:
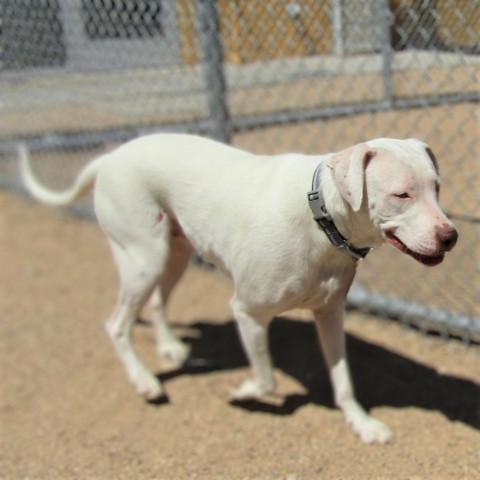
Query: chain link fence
x,y
79,77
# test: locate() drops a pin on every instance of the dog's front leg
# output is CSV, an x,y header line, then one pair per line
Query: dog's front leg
x,y
329,322
253,333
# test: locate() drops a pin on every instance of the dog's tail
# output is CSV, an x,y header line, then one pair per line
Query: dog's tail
x,y
82,184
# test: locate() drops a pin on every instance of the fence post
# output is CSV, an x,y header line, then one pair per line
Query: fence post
x,y
212,63
387,51
337,23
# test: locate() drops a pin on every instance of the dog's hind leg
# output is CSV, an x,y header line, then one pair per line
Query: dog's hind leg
x,y
133,221
168,345
139,270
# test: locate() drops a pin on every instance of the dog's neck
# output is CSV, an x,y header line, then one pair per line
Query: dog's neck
x,y
341,228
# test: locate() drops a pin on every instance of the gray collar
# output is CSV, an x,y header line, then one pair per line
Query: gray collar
x,y
324,220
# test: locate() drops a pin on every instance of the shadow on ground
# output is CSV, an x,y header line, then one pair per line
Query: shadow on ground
x,y
381,377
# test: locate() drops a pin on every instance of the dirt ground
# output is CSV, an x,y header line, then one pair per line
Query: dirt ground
x,y
67,411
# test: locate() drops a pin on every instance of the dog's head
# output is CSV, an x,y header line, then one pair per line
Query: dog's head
x,y
397,184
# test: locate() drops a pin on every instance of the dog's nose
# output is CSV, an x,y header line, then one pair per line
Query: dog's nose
x,y
447,237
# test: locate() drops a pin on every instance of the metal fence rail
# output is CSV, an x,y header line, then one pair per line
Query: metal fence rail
x,y
270,76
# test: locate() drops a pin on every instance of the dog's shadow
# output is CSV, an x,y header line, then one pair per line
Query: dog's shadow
x,y
381,377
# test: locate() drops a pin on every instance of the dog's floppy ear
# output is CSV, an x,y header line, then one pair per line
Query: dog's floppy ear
x,y
349,172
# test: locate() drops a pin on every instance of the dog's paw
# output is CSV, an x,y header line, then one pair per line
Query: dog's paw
x,y
149,387
371,430
174,351
249,390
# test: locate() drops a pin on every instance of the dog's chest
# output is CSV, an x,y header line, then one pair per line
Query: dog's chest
x,y
324,288
319,294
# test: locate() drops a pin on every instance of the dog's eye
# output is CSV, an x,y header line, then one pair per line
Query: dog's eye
x,y
402,195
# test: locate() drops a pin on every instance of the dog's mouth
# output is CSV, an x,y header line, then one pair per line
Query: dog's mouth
x,y
429,261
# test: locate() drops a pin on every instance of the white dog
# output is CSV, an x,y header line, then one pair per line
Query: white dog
x,y
160,197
